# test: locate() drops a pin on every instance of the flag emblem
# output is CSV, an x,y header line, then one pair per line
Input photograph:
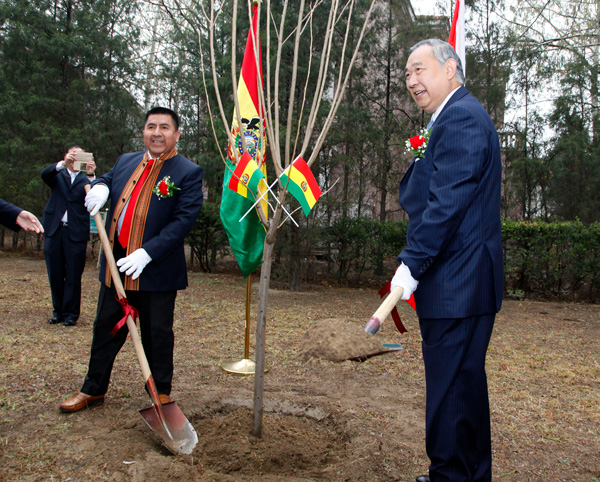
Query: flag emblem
x,y
254,144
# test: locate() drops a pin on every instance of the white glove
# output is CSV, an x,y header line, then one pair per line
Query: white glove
x,y
404,279
134,263
96,198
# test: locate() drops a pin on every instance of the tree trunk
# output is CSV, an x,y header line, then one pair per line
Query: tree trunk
x,y
594,86
261,322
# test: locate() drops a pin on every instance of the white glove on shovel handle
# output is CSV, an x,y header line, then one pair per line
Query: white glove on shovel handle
x,y
403,286
96,198
384,310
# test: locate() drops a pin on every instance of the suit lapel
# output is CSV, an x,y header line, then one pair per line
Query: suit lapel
x,y
81,177
77,180
65,178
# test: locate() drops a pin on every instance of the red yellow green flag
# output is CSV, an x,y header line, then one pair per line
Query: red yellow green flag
x,y
302,184
247,237
246,177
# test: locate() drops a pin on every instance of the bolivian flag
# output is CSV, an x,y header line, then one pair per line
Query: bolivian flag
x,y
247,237
246,177
301,184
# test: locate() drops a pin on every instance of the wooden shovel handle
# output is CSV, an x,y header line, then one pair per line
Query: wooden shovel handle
x,y
114,272
388,304
384,310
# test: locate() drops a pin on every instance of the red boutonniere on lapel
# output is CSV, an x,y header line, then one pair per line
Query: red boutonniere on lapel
x,y
417,145
165,188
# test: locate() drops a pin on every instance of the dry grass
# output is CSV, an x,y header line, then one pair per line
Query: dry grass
x,y
543,370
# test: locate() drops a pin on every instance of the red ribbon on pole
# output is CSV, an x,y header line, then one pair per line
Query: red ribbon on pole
x,y
395,315
128,310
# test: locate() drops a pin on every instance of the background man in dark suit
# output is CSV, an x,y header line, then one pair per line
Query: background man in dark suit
x,y
16,218
454,256
67,226
156,197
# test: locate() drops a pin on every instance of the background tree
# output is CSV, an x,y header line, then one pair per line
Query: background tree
x,y
575,159
65,76
555,50
488,56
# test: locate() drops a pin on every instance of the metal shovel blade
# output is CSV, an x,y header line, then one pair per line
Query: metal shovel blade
x,y
385,348
174,429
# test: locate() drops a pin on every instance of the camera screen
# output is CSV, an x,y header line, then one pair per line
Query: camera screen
x,y
80,166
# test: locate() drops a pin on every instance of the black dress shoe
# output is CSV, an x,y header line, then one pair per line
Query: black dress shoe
x,y
54,320
423,478
69,323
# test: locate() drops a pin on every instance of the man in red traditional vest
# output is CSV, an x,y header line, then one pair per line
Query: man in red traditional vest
x,y
155,197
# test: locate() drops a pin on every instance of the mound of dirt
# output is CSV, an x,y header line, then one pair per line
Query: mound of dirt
x,y
338,340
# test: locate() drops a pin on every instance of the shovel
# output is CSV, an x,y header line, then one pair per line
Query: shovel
x,y
384,310
167,421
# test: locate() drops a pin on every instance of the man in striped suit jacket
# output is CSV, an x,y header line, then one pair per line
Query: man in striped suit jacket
x,y
453,261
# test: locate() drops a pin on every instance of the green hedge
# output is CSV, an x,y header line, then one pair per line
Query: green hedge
x,y
542,260
364,246
552,260
556,260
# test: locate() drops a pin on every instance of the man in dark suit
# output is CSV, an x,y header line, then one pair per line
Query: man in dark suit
x,y
146,228
67,225
16,218
453,261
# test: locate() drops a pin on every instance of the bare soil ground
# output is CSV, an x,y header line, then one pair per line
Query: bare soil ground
x,y
323,420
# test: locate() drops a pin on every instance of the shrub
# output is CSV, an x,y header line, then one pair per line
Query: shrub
x,y
552,260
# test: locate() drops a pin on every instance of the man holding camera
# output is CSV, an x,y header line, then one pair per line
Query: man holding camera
x,y
67,226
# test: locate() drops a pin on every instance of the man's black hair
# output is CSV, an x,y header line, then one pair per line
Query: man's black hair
x,y
163,110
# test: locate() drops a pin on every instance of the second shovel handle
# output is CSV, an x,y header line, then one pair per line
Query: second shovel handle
x,y
388,304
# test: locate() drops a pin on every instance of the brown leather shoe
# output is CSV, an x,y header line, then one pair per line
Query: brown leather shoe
x,y
79,402
164,398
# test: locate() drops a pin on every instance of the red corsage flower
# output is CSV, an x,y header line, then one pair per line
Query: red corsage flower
x,y
165,188
417,145
417,141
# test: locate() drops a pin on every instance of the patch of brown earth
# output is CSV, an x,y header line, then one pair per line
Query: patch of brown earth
x,y
322,420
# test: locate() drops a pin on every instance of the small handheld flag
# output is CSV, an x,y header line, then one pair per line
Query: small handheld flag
x,y
246,176
301,184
